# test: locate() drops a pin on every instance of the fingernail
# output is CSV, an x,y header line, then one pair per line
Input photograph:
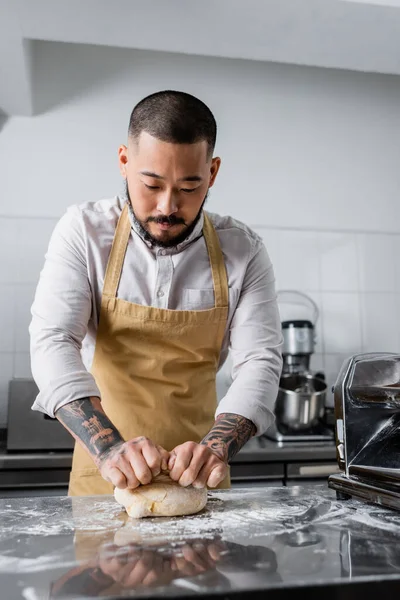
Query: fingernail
x,y
198,485
171,463
164,465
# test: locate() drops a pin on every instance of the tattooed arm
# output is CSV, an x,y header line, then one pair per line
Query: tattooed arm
x,y
229,433
207,463
124,464
87,422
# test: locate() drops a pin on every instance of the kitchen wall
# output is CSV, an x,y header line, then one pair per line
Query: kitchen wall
x,y
310,160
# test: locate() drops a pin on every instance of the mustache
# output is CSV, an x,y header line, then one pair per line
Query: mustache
x,y
163,220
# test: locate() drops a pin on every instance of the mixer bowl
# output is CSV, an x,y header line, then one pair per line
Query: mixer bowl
x,y
301,401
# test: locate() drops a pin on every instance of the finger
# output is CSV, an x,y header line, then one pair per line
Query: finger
x,y
195,557
155,572
165,456
140,467
200,456
202,477
124,574
188,569
125,467
140,570
171,460
179,562
168,571
183,457
118,471
152,457
217,475
214,550
106,566
115,476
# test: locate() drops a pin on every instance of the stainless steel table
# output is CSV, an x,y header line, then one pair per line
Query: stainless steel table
x,y
263,542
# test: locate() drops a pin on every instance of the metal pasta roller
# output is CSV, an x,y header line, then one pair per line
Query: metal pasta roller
x,y
367,411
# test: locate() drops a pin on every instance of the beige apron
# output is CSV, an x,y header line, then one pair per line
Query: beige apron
x,y
155,368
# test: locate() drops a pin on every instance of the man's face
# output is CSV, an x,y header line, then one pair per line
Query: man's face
x,y
167,185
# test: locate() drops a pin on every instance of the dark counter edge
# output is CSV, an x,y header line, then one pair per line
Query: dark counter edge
x,y
367,589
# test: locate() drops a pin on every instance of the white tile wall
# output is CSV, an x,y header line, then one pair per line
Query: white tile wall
x,y
377,262
24,299
380,315
7,317
338,261
341,322
353,277
23,244
396,252
32,239
8,257
297,262
6,373
22,365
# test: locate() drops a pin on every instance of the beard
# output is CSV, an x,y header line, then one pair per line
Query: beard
x,y
143,226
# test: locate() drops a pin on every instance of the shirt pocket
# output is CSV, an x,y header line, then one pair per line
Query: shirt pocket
x,y
196,299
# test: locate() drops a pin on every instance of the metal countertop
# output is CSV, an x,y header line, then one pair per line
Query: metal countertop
x,y
280,541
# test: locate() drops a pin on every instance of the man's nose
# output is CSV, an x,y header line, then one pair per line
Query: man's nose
x,y
167,204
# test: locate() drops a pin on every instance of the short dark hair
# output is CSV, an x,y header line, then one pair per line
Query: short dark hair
x,y
174,117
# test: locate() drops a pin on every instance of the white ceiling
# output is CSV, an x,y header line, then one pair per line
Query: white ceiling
x,y
362,35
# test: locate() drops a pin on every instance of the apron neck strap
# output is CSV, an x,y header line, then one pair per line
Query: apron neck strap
x,y
117,255
220,278
120,244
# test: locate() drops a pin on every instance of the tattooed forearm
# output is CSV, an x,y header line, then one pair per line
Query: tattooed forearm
x,y
86,420
229,434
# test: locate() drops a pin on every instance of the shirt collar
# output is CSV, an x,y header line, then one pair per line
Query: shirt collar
x,y
196,233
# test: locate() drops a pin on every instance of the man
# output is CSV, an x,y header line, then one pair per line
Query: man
x,y
139,301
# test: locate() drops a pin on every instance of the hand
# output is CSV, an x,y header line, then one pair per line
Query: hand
x,y
130,464
198,557
197,465
135,567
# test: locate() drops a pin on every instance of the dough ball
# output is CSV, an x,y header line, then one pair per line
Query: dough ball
x,y
161,498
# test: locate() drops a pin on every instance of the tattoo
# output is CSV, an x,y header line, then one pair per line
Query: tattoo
x,y
88,423
229,434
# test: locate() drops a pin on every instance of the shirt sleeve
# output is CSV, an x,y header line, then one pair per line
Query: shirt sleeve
x,y
255,346
60,315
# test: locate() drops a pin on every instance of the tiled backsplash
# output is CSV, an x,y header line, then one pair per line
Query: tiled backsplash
x,y
354,278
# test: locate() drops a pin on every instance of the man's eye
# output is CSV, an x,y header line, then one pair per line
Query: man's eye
x,y
188,191
152,187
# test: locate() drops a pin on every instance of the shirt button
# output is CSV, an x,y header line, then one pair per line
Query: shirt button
x,y
163,252
160,293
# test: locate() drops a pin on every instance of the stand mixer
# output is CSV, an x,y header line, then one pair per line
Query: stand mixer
x,y
300,405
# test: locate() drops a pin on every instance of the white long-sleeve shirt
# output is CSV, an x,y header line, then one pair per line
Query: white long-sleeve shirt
x,y
66,309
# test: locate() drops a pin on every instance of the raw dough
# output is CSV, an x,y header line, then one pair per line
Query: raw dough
x,y
161,498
